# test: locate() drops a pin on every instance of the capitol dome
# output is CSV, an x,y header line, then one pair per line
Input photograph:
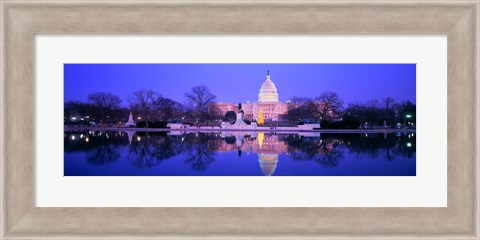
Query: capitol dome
x,y
268,91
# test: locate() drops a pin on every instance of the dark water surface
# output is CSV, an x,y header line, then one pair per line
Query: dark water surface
x,y
130,153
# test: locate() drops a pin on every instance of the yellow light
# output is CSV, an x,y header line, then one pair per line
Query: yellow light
x,y
87,139
260,118
260,136
138,139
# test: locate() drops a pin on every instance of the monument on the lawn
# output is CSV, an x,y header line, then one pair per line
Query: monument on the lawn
x,y
130,121
240,114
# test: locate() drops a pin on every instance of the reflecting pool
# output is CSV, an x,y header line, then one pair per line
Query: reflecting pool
x,y
131,153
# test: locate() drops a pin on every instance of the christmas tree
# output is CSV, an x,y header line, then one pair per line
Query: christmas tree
x,y
260,118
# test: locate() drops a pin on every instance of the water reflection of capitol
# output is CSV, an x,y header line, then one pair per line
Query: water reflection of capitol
x,y
266,146
147,149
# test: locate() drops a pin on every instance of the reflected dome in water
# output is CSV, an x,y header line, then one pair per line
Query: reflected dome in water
x,y
268,163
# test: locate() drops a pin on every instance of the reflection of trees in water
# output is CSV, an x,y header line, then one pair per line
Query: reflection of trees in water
x,y
146,150
81,141
230,139
331,155
101,147
328,150
323,151
103,155
302,148
380,146
199,157
151,149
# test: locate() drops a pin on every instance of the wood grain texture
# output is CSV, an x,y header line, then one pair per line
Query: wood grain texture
x,y
22,19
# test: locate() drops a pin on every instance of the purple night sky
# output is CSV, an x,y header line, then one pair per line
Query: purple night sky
x,y
241,82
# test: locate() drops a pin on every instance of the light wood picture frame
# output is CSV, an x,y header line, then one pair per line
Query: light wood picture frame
x,y
21,20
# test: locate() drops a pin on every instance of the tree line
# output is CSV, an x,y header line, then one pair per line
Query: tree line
x,y
146,105
150,107
328,108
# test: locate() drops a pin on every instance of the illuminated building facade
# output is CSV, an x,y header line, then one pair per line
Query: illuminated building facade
x,y
268,103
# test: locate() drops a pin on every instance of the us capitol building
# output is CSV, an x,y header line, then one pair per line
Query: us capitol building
x,y
267,103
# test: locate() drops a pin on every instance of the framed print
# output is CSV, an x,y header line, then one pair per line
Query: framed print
x,y
361,157
227,119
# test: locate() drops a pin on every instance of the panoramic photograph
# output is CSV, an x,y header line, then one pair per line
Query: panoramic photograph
x,y
240,120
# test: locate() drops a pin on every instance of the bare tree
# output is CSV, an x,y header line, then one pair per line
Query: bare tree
x,y
403,109
200,98
298,101
373,103
142,102
302,109
166,108
330,104
104,103
388,105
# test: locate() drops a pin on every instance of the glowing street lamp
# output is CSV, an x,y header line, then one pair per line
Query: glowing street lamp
x,y
407,116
